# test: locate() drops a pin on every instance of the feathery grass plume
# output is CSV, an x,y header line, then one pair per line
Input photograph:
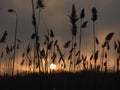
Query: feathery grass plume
x,y
91,66
7,56
109,36
40,4
30,63
34,22
118,58
2,55
69,57
28,49
51,33
17,46
55,43
42,53
97,41
98,67
71,50
10,10
15,38
47,38
9,62
53,57
78,61
107,40
115,45
96,56
47,43
3,38
11,48
7,50
23,55
106,55
77,53
91,57
94,18
67,44
105,64
115,49
118,49
104,45
54,53
103,54
43,56
82,14
19,41
61,55
118,63
75,44
82,25
22,63
73,19
94,14
38,43
49,47
108,48
33,36
84,58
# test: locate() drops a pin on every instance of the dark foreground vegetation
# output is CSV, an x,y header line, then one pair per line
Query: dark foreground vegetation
x,y
38,54
86,80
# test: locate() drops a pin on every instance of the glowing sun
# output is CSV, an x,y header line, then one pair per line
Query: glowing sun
x,y
52,66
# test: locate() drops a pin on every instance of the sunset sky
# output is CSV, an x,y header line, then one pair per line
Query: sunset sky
x,y
55,16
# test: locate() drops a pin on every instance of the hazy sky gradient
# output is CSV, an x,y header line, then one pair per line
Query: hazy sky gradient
x,y
54,16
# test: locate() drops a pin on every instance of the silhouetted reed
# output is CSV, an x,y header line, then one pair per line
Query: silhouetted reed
x,y
118,58
52,52
73,19
94,18
15,37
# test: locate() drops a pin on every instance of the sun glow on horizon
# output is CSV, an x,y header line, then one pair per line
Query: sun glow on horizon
x,y
52,66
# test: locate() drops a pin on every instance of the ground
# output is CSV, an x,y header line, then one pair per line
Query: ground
x,y
86,80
